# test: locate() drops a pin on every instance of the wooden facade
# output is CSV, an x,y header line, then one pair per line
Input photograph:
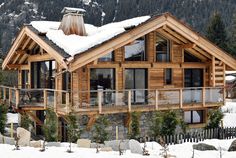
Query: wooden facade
x,y
30,47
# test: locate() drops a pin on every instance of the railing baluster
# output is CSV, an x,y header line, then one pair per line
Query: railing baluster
x,y
156,99
17,98
129,100
55,101
45,97
67,102
203,96
181,98
100,101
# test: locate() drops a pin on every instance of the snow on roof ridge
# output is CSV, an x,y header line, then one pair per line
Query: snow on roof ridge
x,y
75,44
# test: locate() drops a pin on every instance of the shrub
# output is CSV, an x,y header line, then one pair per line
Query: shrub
x,y
100,133
3,118
214,118
134,131
50,126
73,128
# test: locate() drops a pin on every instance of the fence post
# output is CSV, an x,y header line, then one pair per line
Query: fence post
x,y
156,99
129,100
99,101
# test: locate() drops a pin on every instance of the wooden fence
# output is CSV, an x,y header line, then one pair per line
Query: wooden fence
x,y
217,133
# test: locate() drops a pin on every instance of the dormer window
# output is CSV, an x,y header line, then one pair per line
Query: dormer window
x,y
162,49
136,50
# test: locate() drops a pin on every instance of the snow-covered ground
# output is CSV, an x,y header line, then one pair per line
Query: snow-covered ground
x,y
180,151
229,111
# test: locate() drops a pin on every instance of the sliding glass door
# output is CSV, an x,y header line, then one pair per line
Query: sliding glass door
x,y
102,79
135,79
193,77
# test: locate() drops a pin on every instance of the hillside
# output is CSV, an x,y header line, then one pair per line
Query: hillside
x,y
14,13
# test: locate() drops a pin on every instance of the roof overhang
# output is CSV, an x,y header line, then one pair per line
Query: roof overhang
x,y
25,31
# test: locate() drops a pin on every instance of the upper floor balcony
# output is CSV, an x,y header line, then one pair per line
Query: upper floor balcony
x,y
112,101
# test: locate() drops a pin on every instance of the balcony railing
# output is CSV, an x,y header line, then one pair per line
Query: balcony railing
x,y
113,101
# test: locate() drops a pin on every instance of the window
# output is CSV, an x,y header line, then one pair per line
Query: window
x,y
162,49
188,57
108,57
168,76
43,74
66,81
136,79
136,50
193,116
193,77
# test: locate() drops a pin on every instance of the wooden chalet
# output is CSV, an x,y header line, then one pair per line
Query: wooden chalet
x,y
159,63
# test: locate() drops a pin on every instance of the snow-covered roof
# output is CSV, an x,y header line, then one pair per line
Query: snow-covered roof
x,y
75,44
230,78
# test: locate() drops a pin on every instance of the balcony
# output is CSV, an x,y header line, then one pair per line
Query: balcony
x,y
112,101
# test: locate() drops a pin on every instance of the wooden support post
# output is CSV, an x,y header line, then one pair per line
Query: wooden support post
x,y
45,99
17,98
203,96
213,72
129,100
100,101
181,97
55,101
156,99
67,103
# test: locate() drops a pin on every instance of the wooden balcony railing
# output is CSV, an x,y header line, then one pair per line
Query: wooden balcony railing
x,y
112,101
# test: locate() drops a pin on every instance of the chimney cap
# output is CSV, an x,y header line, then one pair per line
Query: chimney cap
x,y
73,10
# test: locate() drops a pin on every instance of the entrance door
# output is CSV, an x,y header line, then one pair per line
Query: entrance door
x,y
193,78
136,79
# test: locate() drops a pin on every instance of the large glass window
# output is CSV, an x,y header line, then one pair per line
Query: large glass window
x,y
43,74
66,81
193,116
108,57
25,79
135,79
162,49
136,50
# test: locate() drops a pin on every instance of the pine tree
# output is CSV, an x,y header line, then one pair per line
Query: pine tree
x,y
25,121
73,128
50,126
134,132
156,124
214,117
99,129
216,31
3,118
232,42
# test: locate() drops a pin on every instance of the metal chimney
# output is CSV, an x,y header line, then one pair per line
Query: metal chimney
x,y
73,21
